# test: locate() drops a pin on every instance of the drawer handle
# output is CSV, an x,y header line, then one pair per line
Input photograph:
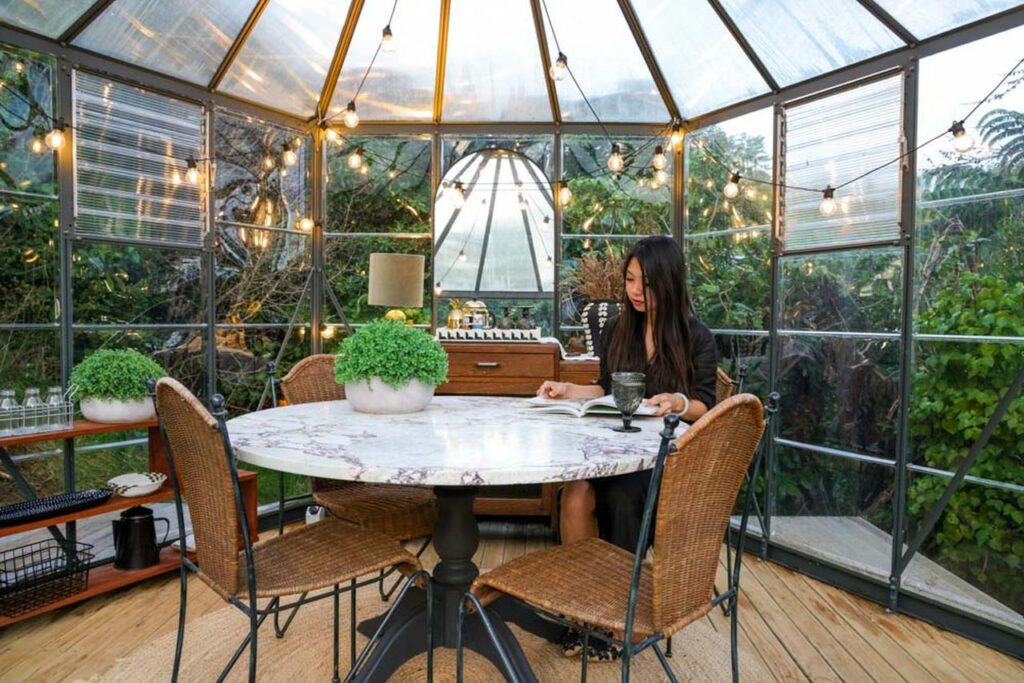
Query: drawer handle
x,y
488,364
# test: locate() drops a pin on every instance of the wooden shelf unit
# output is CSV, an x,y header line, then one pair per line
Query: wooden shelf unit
x,y
106,577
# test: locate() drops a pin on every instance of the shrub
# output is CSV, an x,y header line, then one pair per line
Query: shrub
x,y
115,374
392,351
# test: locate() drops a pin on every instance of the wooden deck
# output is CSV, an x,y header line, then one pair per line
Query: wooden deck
x,y
802,629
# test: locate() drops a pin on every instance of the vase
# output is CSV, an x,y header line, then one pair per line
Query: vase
x,y
374,396
595,316
117,412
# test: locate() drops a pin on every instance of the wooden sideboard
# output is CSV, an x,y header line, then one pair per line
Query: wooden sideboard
x,y
512,369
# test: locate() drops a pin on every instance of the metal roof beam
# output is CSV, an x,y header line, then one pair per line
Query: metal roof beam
x,y
236,46
83,21
648,54
545,60
879,13
340,52
442,58
741,40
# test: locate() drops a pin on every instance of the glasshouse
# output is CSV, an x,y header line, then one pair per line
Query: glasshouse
x,y
612,338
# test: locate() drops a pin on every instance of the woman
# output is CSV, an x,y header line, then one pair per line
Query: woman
x,y
656,334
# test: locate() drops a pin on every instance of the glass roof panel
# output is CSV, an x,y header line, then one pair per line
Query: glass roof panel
x,y
48,17
401,84
493,70
284,62
187,40
607,64
925,18
800,39
704,66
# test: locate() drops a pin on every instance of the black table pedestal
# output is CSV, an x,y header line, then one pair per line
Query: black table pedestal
x,y
456,537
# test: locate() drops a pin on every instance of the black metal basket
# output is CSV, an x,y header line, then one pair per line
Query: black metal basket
x,y
37,574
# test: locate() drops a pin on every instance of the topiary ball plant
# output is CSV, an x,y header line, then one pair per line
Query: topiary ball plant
x,y
111,385
389,367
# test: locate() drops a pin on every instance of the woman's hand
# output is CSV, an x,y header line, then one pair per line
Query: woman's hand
x,y
665,404
551,389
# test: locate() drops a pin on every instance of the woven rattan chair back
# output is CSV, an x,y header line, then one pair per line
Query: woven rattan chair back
x,y
202,469
724,386
699,486
312,380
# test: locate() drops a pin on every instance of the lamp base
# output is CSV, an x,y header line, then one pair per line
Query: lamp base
x,y
395,314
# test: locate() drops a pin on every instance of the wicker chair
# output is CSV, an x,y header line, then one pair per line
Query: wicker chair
x,y
401,512
604,588
319,557
724,386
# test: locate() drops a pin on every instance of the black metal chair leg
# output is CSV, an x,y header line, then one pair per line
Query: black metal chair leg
x,y
385,595
387,618
181,621
668,647
337,601
733,637
253,626
664,664
586,656
352,622
279,630
506,664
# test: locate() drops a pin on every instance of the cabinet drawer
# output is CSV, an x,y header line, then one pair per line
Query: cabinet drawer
x,y
496,387
483,364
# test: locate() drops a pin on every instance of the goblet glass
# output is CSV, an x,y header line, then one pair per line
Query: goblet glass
x,y
628,392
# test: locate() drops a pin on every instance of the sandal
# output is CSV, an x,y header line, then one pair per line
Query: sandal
x,y
571,642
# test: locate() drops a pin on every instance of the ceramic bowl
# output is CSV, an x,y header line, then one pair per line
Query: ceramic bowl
x,y
137,483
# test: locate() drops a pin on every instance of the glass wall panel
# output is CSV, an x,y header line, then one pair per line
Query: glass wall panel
x,y
284,63
831,141
800,39
29,261
730,279
705,67
29,358
744,357
48,17
619,89
242,357
924,19
834,508
491,73
840,392
262,275
180,352
187,40
26,106
401,84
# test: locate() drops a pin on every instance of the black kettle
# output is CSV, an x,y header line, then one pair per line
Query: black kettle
x,y
135,538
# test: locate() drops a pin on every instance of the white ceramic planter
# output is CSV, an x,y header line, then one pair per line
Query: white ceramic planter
x,y
374,396
118,412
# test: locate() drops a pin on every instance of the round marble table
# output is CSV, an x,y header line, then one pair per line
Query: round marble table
x,y
456,445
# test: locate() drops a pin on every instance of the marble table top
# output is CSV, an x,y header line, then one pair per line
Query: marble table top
x,y
456,441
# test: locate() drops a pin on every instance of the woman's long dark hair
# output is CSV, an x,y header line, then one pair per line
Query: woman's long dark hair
x,y
664,272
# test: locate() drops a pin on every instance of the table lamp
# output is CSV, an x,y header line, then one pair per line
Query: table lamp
x,y
396,280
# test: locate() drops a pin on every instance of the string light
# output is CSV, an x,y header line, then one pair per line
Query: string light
x,y
458,195
676,137
387,41
55,138
306,224
438,291
351,117
327,331
289,157
615,162
963,141
192,171
37,146
462,256
355,159
661,177
564,194
659,161
732,188
268,162
560,68
828,202
329,133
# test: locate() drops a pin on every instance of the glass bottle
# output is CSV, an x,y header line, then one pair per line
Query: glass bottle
x,y
10,413
35,413
56,417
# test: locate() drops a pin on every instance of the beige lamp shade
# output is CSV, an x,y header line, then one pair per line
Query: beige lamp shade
x,y
396,280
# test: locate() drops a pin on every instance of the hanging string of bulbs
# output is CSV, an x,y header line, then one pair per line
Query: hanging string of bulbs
x,y
963,142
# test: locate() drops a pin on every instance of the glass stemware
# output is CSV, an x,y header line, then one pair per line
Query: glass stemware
x,y
628,392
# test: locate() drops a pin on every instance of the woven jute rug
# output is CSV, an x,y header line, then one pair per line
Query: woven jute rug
x,y
700,653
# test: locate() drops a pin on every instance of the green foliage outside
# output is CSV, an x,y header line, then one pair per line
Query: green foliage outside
x,y
393,351
115,375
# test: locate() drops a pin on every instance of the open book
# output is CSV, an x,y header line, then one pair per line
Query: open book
x,y
605,405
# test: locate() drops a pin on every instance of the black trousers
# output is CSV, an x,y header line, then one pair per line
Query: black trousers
x,y
620,508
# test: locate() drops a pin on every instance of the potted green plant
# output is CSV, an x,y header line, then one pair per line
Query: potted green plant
x,y
111,385
389,367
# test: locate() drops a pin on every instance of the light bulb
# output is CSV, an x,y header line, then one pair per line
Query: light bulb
x,y
192,172
328,332
438,291
306,224
564,195
458,195
350,117
175,177
661,177
615,162
660,161
355,159
560,68
828,202
676,138
523,205
55,138
329,133
37,146
387,41
963,142
290,158
462,257
732,188
268,162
